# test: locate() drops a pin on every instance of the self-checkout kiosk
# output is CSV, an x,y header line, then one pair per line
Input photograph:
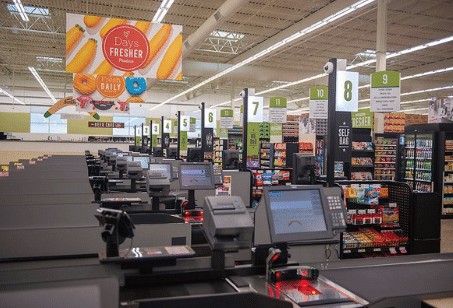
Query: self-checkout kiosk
x,y
309,218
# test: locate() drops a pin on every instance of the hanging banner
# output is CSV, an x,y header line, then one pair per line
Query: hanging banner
x,y
318,102
210,118
277,110
183,141
167,126
253,139
185,124
226,118
67,101
385,91
362,119
112,46
193,125
347,91
255,109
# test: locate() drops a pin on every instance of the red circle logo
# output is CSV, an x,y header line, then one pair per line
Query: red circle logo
x,y
125,47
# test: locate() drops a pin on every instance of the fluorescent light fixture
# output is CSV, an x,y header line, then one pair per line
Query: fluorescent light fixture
x,y
21,10
299,99
315,26
428,90
416,101
49,59
415,109
443,70
41,82
162,11
9,95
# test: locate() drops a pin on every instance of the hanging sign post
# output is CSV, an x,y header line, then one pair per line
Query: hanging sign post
x,y
318,102
277,110
385,91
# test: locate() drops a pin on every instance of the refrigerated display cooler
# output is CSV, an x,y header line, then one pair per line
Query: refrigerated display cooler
x,y
427,161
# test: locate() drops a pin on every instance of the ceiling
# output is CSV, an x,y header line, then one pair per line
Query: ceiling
x,y
255,24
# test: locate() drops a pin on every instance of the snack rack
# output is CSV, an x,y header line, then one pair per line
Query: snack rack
x,y
378,219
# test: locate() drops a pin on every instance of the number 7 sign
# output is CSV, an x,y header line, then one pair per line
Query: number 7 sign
x,y
255,109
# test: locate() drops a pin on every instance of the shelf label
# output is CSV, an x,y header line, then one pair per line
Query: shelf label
x,y
226,118
377,249
318,103
347,251
385,91
347,91
210,118
361,250
277,109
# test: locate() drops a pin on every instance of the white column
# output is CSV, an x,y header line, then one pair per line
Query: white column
x,y
381,36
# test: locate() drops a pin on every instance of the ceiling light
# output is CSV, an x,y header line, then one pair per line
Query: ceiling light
x,y
9,95
21,10
415,109
443,70
289,39
162,11
41,82
428,90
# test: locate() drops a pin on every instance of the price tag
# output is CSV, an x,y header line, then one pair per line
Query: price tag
x,y
361,250
185,123
347,251
347,91
255,109
377,249
210,120
156,129
167,126
146,130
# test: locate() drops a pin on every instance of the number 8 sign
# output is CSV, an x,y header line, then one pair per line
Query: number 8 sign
x,y
347,91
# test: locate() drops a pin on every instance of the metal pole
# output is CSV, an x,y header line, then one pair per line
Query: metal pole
x,y
179,135
150,137
331,125
203,141
245,99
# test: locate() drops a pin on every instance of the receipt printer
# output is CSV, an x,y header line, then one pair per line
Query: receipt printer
x,y
227,223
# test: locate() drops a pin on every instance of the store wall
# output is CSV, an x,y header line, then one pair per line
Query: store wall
x,y
81,126
14,122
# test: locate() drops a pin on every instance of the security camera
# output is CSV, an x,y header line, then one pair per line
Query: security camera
x,y
242,94
328,68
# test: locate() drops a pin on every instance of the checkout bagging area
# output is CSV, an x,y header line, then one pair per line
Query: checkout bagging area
x,y
155,232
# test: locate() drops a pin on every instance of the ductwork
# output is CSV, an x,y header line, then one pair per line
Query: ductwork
x,y
213,22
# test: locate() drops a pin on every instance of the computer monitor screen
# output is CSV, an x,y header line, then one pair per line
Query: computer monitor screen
x,y
161,167
111,150
194,155
230,159
171,152
144,160
196,176
297,213
129,158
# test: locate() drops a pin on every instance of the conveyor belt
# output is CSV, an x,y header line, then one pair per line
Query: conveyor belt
x,y
384,281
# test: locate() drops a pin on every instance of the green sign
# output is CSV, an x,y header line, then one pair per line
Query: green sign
x,y
278,102
193,125
253,138
362,119
226,113
385,79
137,140
183,141
226,118
276,132
319,93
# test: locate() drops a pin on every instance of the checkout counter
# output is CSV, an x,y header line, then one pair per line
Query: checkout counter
x,y
288,221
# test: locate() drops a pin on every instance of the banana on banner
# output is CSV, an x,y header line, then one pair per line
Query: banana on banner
x,y
67,101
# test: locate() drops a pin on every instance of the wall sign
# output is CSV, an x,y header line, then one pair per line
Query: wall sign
x,y
226,118
105,125
277,109
347,91
385,91
318,102
362,119
210,118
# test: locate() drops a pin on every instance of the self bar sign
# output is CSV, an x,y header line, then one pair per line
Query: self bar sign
x,y
385,91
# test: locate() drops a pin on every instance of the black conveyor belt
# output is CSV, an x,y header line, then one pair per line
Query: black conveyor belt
x,y
384,281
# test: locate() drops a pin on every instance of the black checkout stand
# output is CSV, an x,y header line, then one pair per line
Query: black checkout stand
x,y
288,219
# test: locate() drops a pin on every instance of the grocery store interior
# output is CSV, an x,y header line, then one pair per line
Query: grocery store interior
x,y
271,153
